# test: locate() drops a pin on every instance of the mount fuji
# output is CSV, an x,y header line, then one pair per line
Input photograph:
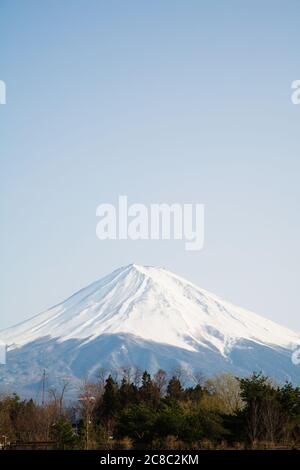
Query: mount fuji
x,y
146,317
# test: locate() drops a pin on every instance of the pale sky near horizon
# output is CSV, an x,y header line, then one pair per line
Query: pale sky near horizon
x,y
162,101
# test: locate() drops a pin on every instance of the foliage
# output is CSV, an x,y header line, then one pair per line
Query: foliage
x,y
145,412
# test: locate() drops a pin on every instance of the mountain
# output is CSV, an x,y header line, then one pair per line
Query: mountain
x,y
150,318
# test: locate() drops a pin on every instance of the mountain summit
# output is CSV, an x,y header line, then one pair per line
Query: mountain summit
x,y
150,318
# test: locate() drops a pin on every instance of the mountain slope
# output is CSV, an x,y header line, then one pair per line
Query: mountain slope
x,y
148,317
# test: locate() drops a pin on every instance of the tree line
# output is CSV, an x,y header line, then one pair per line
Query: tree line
x,y
159,412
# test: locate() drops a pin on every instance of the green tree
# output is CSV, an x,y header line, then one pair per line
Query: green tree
x,y
110,399
261,411
170,419
62,433
128,393
137,422
174,389
148,391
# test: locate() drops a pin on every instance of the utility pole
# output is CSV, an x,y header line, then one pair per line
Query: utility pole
x,y
87,428
88,403
43,388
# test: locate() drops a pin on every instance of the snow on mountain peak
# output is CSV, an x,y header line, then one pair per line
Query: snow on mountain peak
x,y
156,305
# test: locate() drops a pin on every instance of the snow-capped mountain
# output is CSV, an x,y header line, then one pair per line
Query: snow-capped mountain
x,y
150,318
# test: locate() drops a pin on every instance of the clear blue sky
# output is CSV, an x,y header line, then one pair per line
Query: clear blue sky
x,y
164,101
